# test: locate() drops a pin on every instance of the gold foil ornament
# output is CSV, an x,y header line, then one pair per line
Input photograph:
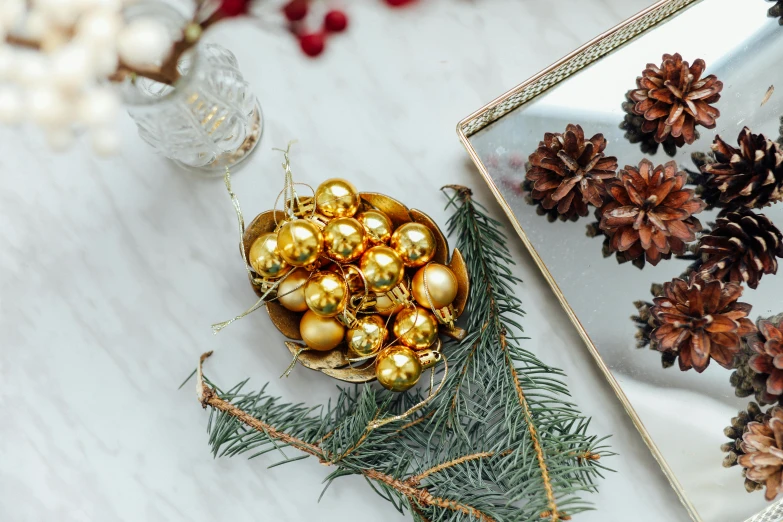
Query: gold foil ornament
x,y
300,242
434,286
264,258
321,333
337,198
344,239
377,225
416,328
382,268
366,337
415,243
290,291
326,294
397,368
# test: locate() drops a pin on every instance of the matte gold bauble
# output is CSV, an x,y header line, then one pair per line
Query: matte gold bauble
x,y
321,333
366,337
416,328
415,243
336,198
385,306
377,225
264,257
325,294
434,286
290,291
382,268
397,368
344,239
300,242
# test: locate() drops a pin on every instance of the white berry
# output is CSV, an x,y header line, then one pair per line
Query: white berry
x,y
99,107
72,67
47,106
144,42
99,27
11,110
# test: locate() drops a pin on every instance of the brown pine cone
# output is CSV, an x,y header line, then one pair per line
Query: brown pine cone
x,y
741,248
767,360
674,98
762,447
776,11
651,212
700,320
567,172
751,176
632,125
735,431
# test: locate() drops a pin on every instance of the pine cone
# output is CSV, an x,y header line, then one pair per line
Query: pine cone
x,y
762,447
767,345
700,320
632,125
564,162
734,432
741,248
651,214
674,98
776,11
751,176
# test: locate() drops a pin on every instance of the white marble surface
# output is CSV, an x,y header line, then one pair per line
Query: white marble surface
x,y
111,272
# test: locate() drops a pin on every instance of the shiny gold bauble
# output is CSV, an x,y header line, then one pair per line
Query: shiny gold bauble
x,y
344,239
290,291
325,294
386,306
321,333
265,259
434,286
397,368
300,242
377,225
415,243
382,268
336,198
366,336
416,328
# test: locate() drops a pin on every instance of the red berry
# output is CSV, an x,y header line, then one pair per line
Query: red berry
x,y
335,21
233,7
295,10
312,44
398,3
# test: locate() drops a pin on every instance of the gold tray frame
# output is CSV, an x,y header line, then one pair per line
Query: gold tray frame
x,y
527,91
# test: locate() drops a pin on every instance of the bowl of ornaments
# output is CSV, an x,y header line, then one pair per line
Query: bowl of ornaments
x,y
362,286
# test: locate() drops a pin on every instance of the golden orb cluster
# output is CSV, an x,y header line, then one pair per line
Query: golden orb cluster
x,y
356,283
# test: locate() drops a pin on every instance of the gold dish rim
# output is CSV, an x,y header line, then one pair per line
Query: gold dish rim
x,y
526,92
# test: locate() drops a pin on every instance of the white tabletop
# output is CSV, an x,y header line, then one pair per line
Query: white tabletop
x,y
111,272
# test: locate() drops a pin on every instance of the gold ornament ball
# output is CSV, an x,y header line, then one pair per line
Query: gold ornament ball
x,y
366,337
290,291
337,198
325,294
300,242
416,328
385,306
415,243
321,333
397,368
345,239
377,225
434,286
382,268
264,257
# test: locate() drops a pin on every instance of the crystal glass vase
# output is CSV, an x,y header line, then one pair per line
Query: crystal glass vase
x,y
209,118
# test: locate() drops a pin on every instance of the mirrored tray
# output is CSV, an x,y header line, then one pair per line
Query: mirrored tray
x,y
680,415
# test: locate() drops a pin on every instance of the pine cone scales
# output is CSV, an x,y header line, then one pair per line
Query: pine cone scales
x,y
700,320
742,247
674,98
567,172
651,212
762,444
751,176
768,358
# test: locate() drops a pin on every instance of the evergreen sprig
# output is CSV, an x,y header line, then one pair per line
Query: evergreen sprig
x,y
501,442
